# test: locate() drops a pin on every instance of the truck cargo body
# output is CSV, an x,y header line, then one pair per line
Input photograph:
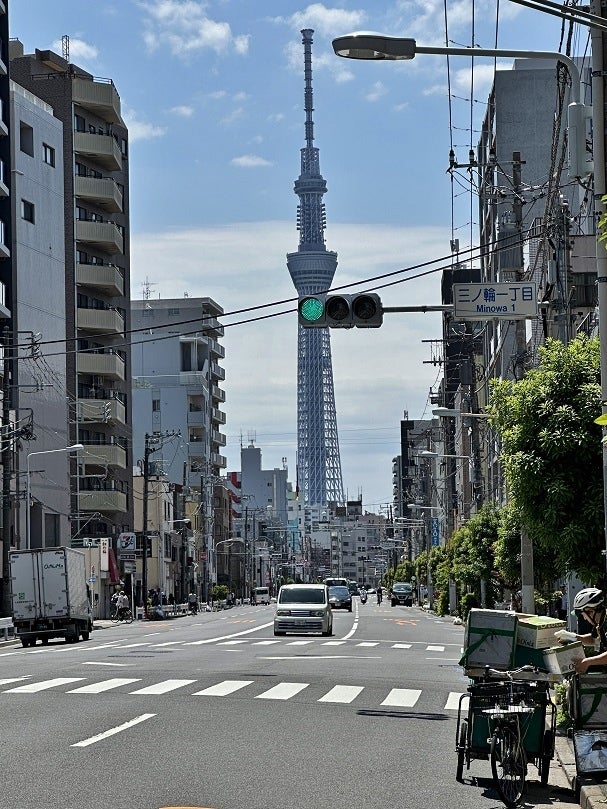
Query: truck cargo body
x,y
50,595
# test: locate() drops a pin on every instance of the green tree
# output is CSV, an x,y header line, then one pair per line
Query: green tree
x,y
552,454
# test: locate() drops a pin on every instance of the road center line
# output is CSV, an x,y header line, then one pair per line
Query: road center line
x,y
113,731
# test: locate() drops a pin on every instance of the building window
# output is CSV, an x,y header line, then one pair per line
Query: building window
x,y
26,139
79,123
171,310
27,211
48,154
155,405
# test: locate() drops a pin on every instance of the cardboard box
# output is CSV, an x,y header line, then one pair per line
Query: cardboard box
x,y
561,659
490,639
537,631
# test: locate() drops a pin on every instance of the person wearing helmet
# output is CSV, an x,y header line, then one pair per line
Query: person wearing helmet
x,y
590,604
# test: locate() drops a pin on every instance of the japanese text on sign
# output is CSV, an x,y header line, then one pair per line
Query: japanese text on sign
x,y
504,300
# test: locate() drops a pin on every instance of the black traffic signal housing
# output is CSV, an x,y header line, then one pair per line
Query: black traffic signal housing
x,y
362,310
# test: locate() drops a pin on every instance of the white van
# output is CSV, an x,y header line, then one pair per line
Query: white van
x,y
262,595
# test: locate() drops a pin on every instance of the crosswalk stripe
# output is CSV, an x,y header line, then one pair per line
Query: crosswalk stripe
x,y
300,642
265,642
367,643
13,680
453,703
164,687
402,697
435,648
230,642
33,688
104,685
334,643
342,693
223,689
282,691
401,645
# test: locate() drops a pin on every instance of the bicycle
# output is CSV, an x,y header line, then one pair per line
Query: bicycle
x,y
506,723
122,614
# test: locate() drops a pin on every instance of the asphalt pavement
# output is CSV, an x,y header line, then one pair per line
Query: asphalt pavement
x,y
591,792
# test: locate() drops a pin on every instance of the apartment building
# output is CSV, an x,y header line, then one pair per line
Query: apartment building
x,y
97,282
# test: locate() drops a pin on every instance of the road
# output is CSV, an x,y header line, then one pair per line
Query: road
x,y
213,711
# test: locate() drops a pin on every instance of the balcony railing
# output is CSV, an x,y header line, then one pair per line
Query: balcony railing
x,y
106,321
103,411
98,96
95,364
103,455
102,501
103,191
105,277
104,236
102,149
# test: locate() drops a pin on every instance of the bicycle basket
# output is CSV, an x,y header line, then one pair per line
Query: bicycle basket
x,y
487,696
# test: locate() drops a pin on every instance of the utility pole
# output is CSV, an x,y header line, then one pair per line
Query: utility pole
x,y
144,539
184,533
7,457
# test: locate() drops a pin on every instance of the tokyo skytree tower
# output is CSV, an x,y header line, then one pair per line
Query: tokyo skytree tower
x,y
312,269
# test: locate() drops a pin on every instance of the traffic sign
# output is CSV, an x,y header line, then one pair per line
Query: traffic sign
x,y
92,579
514,300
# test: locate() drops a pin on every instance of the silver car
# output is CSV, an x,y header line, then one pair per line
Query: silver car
x,y
303,608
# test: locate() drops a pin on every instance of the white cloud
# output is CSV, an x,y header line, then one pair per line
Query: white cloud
x,y
183,110
184,27
325,21
80,51
232,117
250,161
377,91
140,130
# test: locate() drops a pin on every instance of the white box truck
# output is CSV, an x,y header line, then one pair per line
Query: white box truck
x,y
50,595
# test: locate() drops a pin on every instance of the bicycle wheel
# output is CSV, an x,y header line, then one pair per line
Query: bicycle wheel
x,y
508,764
128,616
114,617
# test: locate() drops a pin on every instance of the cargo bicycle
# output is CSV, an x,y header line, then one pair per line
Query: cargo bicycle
x,y
502,719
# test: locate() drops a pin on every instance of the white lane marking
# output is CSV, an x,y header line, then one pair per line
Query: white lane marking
x,y
133,645
223,689
401,645
342,693
368,643
14,679
435,648
305,659
230,642
334,643
166,643
282,691
33,688
265,642
453,702
113,731
102,663
164,687
355,624
300,642
227,637
104,685
402,697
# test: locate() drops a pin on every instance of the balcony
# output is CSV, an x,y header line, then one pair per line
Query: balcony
x,y
102,149
98,96
104,277
217,393
104,236
218,416
103,411
193,378
217,371
103,455
110,365
217,349
218,438
102,501
196,418
103,191
100,321
218,460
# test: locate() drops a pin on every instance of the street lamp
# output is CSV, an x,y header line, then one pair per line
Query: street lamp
x,y
72,448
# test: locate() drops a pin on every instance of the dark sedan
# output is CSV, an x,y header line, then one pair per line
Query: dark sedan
x,y
340,598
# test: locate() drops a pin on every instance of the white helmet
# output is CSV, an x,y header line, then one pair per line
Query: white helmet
x,y
589,597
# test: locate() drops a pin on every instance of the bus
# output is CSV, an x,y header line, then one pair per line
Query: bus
x,y
262,595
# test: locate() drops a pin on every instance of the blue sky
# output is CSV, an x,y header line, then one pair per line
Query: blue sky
x,y
213,96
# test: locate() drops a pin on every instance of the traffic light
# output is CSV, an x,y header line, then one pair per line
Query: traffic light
x,y
363,310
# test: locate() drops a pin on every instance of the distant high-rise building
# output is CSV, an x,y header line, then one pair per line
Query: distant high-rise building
x,y
312,269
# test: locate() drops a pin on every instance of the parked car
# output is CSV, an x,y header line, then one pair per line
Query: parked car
x,y
303,608
340,598
401,593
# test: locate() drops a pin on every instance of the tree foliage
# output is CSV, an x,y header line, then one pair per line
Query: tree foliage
x,y
552,456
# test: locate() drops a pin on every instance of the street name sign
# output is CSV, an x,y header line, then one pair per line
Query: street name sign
x,y
513,300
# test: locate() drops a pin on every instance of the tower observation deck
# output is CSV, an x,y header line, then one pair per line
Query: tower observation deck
x,y
312,269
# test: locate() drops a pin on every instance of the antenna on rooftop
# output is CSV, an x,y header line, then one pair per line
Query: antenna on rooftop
x,y
147,289
65,47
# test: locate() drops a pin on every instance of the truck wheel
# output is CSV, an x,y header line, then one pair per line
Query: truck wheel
x,y
85,635
44,640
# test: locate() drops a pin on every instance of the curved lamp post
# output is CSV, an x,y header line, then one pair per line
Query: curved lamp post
x,y
72,448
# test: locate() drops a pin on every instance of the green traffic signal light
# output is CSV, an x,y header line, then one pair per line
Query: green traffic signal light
x,y
311,309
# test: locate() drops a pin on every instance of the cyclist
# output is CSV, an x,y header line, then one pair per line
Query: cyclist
x,y
590,603
122,604
379,594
